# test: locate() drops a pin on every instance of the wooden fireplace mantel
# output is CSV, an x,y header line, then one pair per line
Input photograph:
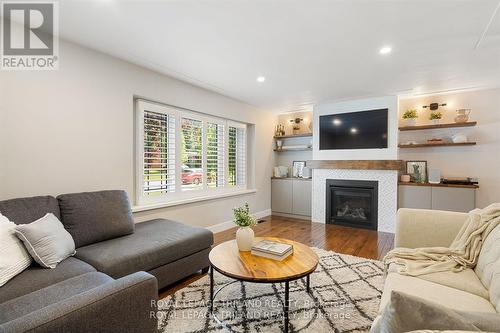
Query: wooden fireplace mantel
x,y
356,164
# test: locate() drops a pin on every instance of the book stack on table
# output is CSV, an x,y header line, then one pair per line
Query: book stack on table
x,y
272,250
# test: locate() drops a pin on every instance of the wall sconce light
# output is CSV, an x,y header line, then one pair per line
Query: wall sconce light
x,y
296,124
296,120
434,106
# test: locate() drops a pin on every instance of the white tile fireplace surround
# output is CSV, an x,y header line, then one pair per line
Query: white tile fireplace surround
x,y
387,193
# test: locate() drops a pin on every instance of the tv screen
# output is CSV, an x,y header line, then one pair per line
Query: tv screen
x,y
354,130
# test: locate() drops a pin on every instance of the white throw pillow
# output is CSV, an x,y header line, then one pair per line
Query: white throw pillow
x,y
46,240
13,256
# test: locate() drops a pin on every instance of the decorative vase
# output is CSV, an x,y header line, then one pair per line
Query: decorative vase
x,y
462,115
411,122
244,238
279,144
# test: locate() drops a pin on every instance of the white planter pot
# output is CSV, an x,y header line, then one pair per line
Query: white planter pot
x,y
411,122
244,238
435,121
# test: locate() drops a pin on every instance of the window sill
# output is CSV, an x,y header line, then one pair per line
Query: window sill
x,y
142,208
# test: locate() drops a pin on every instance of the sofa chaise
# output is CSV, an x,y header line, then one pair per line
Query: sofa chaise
x,y
110,285
472,290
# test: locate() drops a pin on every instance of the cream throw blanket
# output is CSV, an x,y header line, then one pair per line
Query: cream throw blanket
x,y
462,253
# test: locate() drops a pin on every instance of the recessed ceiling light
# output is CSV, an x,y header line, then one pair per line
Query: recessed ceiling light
x,y
261,79
337,122
354,130
385,50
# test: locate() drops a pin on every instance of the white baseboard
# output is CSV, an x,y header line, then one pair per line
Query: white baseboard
x,y
262,214
293,216
230,224
221,226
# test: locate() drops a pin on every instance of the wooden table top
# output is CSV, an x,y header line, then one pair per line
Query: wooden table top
x,y
228,260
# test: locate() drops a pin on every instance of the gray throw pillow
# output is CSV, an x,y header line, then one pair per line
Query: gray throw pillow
x,y
46,240
92,217
406,313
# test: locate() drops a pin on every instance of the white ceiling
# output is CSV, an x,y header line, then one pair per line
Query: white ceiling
x,y
309,50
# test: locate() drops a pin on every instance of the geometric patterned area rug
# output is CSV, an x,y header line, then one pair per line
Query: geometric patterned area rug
x,y
345,296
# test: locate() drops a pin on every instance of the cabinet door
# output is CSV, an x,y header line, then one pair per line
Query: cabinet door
x,y
302,197
281,195
411,196
453,199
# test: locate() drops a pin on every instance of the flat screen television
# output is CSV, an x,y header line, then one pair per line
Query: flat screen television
x,y
354,130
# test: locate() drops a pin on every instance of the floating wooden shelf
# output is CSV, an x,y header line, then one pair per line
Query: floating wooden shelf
x,y
291,178
356,164
304,135
450,125
292,149
440,185
446,144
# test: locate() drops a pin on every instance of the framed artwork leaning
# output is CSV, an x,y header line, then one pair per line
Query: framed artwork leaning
x,y
417,171
298,169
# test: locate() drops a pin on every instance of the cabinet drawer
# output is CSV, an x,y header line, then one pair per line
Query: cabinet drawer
x,y
453,199
415,197
281,195
302,196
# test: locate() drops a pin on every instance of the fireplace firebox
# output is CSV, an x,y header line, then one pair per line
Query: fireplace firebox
x,y
352,203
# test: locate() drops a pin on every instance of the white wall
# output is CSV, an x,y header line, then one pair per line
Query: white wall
x,y
72,130
387,179
390,102
481,161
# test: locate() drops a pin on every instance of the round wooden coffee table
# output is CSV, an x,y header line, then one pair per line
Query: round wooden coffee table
x,y
226,259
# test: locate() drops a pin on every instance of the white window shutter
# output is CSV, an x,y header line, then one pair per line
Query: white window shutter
x,y
192,154
237,155
241,160
216,153
158,165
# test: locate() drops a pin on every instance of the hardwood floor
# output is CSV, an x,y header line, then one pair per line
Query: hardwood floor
x,y
358,242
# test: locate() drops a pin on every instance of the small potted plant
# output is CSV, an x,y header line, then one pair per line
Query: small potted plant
x,y
245,221
435,117
410,116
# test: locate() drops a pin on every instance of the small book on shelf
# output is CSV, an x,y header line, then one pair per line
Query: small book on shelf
x,y
272,250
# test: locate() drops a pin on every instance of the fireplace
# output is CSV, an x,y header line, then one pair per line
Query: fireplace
x,y
352,203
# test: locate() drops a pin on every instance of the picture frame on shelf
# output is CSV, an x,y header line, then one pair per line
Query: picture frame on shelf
x,y
417,171
298,169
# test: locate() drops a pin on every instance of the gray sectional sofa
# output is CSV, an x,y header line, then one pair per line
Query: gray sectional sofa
x,y
110,285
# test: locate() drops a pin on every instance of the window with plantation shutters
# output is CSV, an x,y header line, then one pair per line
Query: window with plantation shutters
x,y
192,154
158,153
216,153
241,153
237,156
184,155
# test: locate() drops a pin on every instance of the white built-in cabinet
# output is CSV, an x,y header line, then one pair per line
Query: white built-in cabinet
x,y
291,196
458,199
